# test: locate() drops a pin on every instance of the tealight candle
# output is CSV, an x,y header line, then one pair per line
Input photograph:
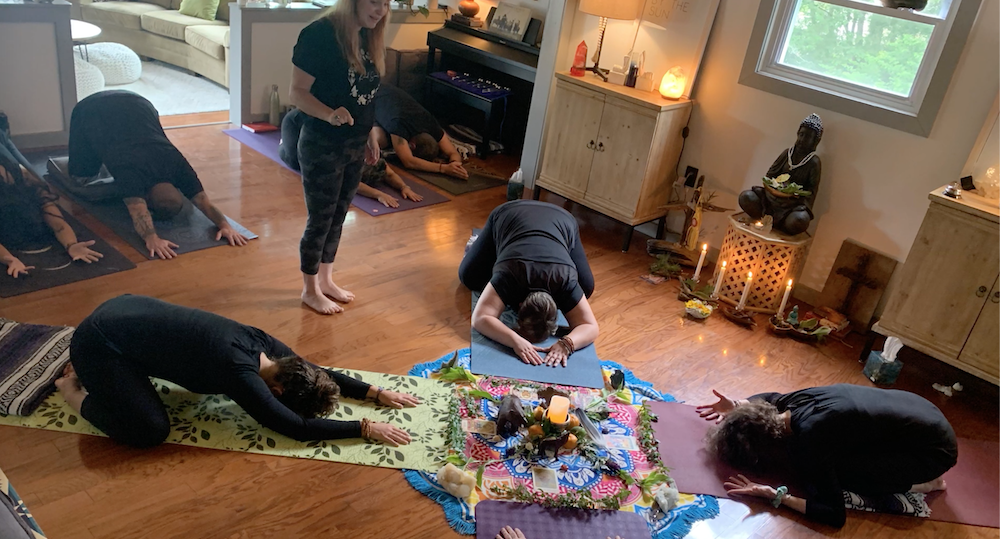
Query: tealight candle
x,y
558,412
719,281
701,260
746,291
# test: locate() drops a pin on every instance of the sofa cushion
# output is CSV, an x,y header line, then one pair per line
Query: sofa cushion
x,y
165,4
172,24
212,40
123,14
203,9
223,13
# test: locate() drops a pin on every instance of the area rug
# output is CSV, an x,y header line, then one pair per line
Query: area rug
x,y
216,422
15,520
574,476
173,90
266,144
973,495
54,267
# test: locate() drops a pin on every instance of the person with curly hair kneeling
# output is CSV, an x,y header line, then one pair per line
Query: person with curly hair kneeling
x,y
129,339
865,440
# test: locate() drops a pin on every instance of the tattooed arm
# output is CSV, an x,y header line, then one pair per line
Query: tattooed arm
x,y
225,230
143,224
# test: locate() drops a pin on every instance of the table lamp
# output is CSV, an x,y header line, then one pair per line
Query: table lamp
x,y
626,10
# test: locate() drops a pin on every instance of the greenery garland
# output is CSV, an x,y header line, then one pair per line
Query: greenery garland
x,y
581,499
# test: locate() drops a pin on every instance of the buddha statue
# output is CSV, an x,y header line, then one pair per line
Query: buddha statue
x,y
790,209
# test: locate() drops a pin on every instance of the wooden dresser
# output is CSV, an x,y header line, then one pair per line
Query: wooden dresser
x,y
612,149
947,299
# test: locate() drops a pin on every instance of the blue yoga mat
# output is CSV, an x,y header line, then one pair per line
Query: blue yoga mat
x,y
489,357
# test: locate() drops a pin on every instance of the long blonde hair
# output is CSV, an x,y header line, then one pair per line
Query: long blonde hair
x,y
343,16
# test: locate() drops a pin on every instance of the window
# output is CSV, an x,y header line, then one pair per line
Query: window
x,y
856,57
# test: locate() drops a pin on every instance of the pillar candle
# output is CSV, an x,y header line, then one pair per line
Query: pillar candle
x,y
746,291
784,300
719,281
701,260
558,409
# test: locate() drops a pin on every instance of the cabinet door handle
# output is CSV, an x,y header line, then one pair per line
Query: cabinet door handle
x,y
590,145
996,297
981,291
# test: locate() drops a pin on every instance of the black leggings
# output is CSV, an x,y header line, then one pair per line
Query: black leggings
x,y
331,171
476,268
291,129
121,401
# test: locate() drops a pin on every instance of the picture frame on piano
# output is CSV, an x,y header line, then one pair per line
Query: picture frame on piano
x,y
509,21
533,35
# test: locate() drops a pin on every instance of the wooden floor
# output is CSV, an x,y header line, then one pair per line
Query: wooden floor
x,y
410,308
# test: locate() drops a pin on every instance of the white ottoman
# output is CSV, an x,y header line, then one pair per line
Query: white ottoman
x,y
89,79
118,63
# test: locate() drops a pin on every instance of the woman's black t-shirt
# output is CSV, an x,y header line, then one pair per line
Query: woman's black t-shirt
x,y
21,199
337,84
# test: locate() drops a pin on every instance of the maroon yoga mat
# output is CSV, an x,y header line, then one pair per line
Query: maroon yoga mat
x,y
973,495
537,522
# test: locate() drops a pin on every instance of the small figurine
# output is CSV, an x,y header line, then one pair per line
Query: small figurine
x,y
793,317
510,417
791,183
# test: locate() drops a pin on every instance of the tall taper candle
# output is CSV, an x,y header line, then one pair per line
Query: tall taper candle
x,y
719,281
746,291
784,300
701,260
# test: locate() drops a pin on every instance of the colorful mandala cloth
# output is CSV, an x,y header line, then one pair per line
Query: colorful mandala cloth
x,y
573,472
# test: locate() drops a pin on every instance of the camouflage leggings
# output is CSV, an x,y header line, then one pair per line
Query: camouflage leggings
x,y
331,171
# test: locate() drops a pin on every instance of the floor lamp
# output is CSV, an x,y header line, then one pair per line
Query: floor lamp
x,y
625,10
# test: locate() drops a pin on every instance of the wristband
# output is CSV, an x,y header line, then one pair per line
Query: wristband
x,y
568,343
366,428
782,491
377,394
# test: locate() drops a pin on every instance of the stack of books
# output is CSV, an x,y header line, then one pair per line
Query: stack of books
x,y
473,22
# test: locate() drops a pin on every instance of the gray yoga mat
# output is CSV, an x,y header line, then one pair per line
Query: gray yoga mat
x,y
53,267
477,181
490,357
190,229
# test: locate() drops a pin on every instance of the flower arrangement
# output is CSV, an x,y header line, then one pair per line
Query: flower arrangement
x,y
785,187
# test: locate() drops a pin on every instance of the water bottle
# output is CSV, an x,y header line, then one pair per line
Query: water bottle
x,y
275,117
515,186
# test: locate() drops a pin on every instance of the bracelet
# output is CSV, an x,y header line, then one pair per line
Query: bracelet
x,y
366,428
782,491
378,394
568,343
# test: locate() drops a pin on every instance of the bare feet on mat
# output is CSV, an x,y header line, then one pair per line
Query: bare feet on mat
x,y
930,486
331,290
320,303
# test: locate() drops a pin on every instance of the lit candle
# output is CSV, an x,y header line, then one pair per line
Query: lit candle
x,y
759,225
719,281
558,410
784,300
701,260
746,291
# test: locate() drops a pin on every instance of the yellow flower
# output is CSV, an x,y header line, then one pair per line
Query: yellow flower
x,y
782,179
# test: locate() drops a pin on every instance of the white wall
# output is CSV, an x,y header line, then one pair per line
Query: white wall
x,y
875,179
29,89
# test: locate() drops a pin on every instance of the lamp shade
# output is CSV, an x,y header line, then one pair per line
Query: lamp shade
x,y
626,10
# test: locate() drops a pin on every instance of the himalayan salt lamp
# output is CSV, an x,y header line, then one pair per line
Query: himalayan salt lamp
x,y
672,84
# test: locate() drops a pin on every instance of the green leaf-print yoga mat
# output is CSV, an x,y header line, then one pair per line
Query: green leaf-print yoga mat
x,y
216,422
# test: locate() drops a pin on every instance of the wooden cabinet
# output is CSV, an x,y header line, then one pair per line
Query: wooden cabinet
x,y
611,148
946,301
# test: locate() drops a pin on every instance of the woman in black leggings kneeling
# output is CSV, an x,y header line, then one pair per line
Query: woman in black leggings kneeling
x,y
131,338
529,257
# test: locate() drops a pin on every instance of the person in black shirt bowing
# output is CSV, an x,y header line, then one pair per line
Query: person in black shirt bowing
x,y
338,60
130,338
529,257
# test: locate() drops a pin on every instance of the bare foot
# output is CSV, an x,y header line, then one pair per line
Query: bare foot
x,y
320,303
930,486
329,288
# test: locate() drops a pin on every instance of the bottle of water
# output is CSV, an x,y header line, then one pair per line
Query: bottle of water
x,y
275,117
515,186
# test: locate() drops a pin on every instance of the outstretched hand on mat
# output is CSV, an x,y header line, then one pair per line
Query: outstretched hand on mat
x,y
81,251
233,237
717,412
390,434
510,533
15,267
159,247
741,486
556,355
526,351
396,399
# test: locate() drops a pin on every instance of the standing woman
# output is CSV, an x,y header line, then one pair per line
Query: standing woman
x,y
337,61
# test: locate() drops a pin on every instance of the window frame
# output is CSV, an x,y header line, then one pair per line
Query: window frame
x,y
914,114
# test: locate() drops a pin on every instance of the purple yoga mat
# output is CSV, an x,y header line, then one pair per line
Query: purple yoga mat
x,y
537,522
973,495
266,144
